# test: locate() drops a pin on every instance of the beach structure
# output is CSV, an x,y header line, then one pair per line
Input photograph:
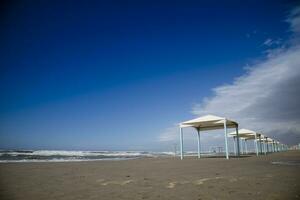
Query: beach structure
x,y
277,146
269,144
206,123
246,134
273,145
264,141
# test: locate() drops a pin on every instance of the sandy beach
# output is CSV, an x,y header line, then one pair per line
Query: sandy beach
x,y
275,176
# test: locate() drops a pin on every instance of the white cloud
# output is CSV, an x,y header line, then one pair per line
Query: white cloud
x,y
294,20
270,42
267,97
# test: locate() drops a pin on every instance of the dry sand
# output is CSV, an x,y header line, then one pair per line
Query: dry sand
x,y
156,178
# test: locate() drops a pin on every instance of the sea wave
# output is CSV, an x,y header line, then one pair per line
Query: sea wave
x,y
72,156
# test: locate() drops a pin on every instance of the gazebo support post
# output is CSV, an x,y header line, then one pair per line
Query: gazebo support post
x,y
255,143
246,149
265,148
181,144
234,147
267,144
260,146
198,133
237,140
280,147
242,146
225,137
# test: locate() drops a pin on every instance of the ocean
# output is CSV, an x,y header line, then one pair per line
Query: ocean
x,y
68,156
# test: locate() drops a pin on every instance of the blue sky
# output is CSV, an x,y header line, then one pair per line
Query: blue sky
x,y
115,74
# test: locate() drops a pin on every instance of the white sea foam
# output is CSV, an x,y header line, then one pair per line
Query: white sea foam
x,y
61,160
76,156
73,153
73,156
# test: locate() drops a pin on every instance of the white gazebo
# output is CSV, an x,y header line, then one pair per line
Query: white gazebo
x,y
277,146
209,122
247,134
270,145
263,139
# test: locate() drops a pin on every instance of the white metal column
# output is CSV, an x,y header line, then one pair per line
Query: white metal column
x,y
242,146
237,140
198,131
234,148
225,136
181,144
260,146
246,149
280,147
267,144
265,148
256,147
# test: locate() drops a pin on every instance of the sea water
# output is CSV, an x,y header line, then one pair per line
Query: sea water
x,y
67,156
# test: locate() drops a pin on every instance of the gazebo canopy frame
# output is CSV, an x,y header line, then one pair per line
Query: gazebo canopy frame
x,y
247,134
210,122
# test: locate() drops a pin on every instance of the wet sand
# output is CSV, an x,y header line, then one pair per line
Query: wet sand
x,y
156,178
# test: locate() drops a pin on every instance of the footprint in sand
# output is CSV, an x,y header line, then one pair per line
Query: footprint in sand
x,y
201,181
196,182
172,184
102,181
268,176
231,180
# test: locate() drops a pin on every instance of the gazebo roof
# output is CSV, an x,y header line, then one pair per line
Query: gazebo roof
x,y
269,140
209,122
245,133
